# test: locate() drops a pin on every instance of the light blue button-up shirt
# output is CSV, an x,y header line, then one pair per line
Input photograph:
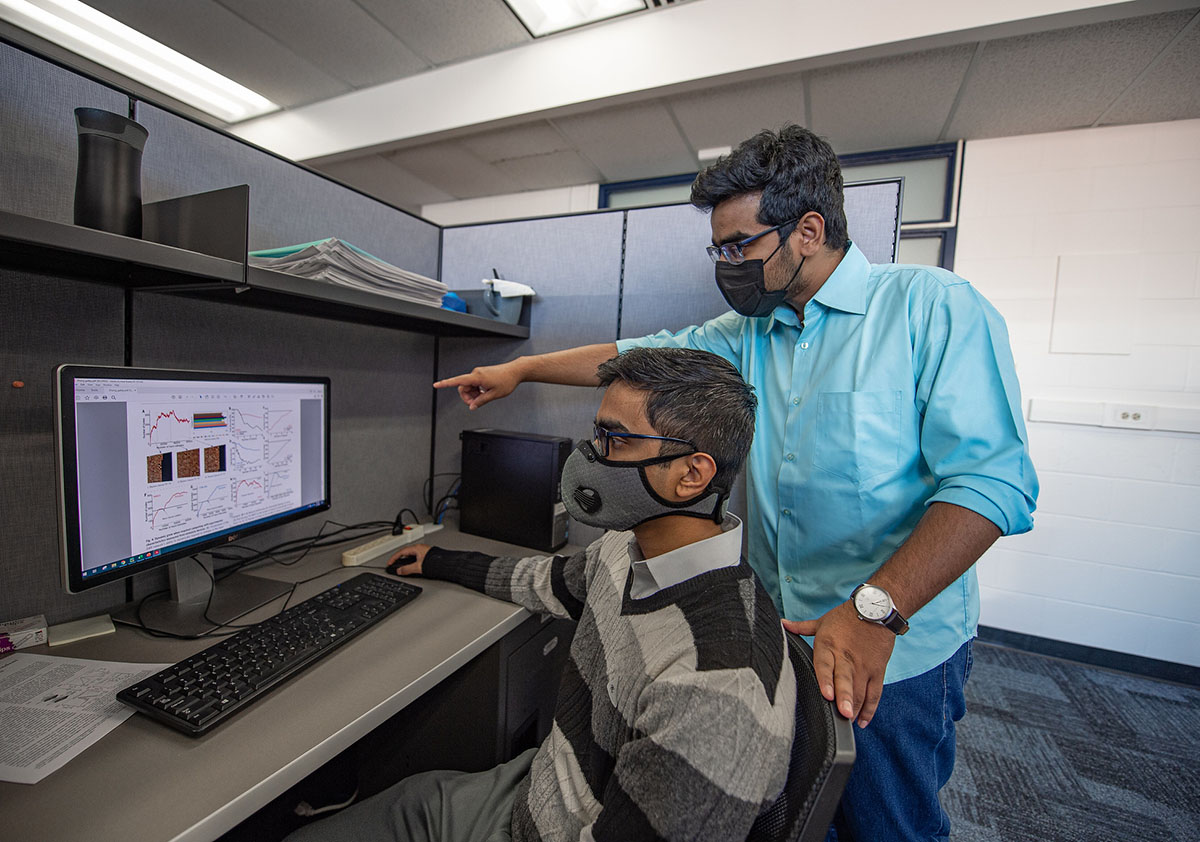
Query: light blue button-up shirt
x,y
898,390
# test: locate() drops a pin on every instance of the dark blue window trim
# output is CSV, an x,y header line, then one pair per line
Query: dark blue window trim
x,y
606,190
949,151
946,235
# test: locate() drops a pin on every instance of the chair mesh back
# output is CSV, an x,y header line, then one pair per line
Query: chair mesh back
x,y
812,757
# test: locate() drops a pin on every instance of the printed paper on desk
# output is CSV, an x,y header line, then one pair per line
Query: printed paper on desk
x,y
52,708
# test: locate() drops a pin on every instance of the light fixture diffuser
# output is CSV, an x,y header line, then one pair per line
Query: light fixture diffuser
x,y
542,17
108,42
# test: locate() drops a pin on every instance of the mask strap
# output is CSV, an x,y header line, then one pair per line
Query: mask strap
x,y
687,507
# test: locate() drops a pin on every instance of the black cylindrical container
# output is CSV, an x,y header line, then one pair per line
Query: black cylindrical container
x,y
108,180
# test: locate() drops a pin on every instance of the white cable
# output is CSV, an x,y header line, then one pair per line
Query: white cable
x,y
306,809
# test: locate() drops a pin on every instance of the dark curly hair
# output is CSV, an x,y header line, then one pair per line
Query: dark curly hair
x,y
695,396
795,171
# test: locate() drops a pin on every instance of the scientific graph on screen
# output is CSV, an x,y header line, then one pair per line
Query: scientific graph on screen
x,y
204,462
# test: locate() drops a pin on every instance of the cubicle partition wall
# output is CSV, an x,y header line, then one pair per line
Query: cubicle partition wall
x,y
38,149
380,375
288,204
574,265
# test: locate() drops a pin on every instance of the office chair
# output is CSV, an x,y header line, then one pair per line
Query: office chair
x,y
822,754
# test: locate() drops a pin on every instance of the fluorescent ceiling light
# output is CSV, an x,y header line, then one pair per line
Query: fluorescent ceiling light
x,y
713,153
95,36
541,17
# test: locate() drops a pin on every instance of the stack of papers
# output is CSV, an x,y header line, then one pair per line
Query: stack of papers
x,y
342,263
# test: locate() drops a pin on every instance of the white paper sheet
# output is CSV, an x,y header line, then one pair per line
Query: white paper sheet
x,y
52,708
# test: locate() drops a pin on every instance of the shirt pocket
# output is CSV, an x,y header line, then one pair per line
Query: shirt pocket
x,y
858,434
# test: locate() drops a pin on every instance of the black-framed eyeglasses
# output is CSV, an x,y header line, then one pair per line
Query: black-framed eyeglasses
x,y
732,252
602,438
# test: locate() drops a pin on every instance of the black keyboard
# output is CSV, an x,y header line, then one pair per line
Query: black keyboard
x,y
200,692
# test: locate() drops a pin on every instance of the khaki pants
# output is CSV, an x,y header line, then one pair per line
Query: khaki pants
x,y
430,807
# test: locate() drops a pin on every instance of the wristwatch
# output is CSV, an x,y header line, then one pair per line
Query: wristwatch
x,y
874,605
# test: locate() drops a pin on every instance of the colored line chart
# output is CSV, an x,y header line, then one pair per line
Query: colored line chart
x,y
169,510
169,426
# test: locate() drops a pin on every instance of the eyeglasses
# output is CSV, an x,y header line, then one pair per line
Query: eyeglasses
x,y
603,439
732,252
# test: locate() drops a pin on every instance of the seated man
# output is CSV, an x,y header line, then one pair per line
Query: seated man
x,y
675,712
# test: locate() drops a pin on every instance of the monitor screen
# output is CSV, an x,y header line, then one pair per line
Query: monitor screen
x,y
156,465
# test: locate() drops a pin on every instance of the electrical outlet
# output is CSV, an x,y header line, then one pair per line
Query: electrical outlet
x,y
1129,416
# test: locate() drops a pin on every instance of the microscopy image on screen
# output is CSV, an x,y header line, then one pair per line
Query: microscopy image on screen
x,y
187,462
214,459
158,468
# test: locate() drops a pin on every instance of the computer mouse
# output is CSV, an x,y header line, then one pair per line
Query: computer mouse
x,y
394,566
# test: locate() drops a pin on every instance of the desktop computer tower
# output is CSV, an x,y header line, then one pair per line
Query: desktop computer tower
x,y
510,487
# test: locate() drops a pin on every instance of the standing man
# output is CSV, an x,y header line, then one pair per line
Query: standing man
x,y
890,454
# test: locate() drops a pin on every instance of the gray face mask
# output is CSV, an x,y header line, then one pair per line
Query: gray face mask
x,y
617,495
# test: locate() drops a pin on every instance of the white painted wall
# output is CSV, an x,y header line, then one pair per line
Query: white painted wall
x,y
1114,557
553,202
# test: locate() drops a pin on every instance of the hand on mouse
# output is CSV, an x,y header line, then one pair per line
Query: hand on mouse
x,y
407,560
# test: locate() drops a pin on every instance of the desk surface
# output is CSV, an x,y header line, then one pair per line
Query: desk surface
x,y
146,781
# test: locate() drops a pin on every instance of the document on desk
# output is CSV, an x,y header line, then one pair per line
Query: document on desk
x,y
52,708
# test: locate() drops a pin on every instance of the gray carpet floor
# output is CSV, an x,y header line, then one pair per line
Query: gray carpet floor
x,y
1057,751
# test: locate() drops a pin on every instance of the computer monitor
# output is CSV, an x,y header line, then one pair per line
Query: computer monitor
x,y
158,465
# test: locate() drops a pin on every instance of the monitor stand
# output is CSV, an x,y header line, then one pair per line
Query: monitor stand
x,y
184,612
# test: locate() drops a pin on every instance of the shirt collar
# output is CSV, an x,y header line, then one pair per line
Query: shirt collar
x,y
845,289
655,574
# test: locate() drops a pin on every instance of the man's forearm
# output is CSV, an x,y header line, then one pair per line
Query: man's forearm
x,y
571,367
947,541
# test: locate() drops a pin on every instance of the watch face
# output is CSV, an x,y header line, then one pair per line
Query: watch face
x,y
873,603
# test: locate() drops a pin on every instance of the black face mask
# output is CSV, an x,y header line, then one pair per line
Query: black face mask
x,y
744,286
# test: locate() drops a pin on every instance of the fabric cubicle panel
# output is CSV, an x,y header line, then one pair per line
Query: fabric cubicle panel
x,y
45,322
668,275
380,394
873,217
38,147
669,282
574,264
288,204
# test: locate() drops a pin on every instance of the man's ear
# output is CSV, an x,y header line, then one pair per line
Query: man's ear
x,y
809,236
699,472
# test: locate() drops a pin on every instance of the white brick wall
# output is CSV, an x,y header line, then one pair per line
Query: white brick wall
x,y
1114,557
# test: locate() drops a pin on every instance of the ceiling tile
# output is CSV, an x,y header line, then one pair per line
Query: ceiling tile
x,y
336,35
887,103
453,168
727,115
1058,80
552,169
446,31
538,138
214,36
1170,91
630,142
384,179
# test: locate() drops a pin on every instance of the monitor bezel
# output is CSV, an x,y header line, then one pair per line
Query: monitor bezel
x,y
70,549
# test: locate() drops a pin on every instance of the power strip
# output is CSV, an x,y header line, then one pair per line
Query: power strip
x,y
387,544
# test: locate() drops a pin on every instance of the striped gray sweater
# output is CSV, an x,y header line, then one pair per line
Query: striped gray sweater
x,y
675,712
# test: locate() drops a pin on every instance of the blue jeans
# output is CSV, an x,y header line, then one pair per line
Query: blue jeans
x,y
904,757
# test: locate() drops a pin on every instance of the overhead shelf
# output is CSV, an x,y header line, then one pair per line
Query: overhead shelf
x,y
57,248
